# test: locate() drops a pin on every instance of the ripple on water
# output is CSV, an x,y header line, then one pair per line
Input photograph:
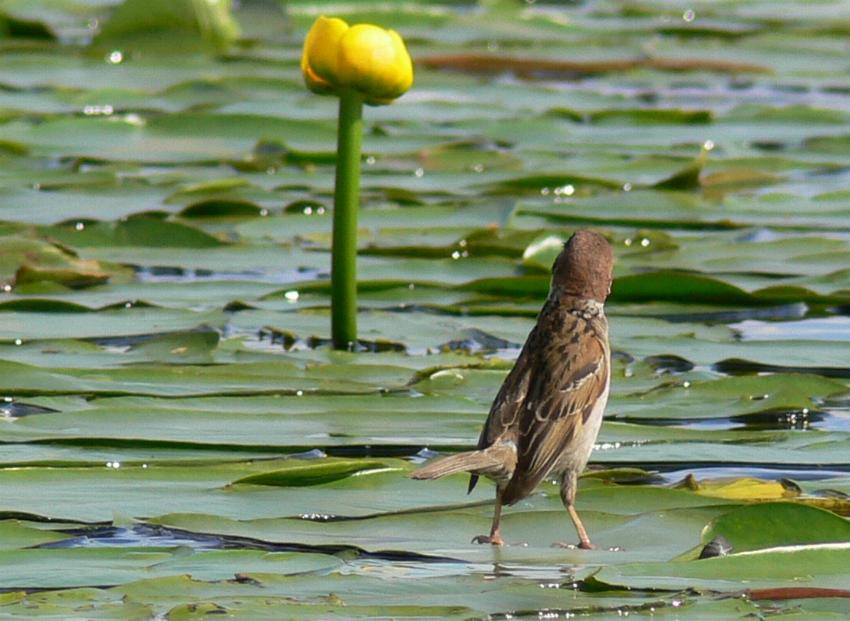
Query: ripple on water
x,y
831,416
156,536
839,410
816,329
138,535
156,274
778,473
785,311
9,408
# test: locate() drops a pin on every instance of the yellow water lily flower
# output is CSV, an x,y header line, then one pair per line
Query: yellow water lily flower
x,y
366,58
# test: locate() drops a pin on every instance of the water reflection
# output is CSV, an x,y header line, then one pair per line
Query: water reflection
x,y
162,273
815,329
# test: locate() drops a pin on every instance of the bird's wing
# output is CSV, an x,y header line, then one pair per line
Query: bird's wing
x,y
505,412
570,374
502,422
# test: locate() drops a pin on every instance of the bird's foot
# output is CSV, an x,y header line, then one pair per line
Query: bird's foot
x,y
583,545
495,540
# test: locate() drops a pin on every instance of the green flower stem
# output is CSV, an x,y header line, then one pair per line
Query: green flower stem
x,y
346,203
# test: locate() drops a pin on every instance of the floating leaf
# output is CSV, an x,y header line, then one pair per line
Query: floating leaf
x,y
310,474
85,274
642,115
726,179
210,22
553,183
685,179
143,231
747,489
775,524
28,260
221,209
677,286
202,359
756,569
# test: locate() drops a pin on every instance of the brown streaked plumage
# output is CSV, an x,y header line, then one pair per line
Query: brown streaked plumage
x,y
546,416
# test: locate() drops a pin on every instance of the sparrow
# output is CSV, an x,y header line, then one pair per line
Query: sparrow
x,y
547,414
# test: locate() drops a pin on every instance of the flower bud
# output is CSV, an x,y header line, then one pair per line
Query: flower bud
x,y
319,60
371,60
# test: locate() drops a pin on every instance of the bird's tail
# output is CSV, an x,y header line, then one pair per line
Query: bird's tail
x,y
493,460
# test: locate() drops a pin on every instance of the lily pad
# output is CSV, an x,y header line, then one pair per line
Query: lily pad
x,y
310,474
25,261
777,524
176,427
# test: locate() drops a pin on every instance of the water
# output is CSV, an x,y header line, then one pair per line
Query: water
x,y
829,329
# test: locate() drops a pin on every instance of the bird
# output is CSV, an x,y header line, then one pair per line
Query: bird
x,y
547,414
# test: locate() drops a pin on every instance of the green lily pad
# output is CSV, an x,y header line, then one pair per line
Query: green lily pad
x,y
25,261
824,566
171,413
310,474
137,231
776,524
211,23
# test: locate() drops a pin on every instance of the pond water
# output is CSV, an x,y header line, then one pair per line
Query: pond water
x,y
180,441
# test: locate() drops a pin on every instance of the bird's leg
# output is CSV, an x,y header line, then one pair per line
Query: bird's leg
x,y
584,540
495,537
568,496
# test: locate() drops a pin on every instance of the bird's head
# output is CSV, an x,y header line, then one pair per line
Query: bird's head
x,y
584,267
